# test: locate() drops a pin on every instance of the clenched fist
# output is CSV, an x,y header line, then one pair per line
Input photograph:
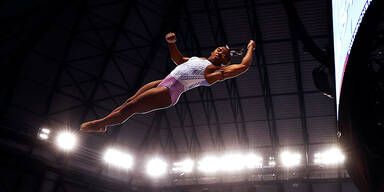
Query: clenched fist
x,y
170,38
251,45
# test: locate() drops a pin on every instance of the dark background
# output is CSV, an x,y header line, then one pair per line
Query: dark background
x,y
66,62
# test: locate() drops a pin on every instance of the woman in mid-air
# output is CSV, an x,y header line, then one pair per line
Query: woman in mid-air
x,y
189,73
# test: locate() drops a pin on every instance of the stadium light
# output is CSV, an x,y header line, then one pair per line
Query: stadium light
x,y
118,159
66,140
43,136
252,161
45,130
332,156
272,162
289,159
156,167
185,166
231,162
44,133
209,164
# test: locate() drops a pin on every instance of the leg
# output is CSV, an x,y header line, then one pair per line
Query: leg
x,y
152,99
144,88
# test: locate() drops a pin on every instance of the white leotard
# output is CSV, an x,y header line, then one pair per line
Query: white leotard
x,y
191,73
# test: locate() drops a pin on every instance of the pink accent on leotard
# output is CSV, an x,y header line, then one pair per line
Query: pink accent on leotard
x,y
175,88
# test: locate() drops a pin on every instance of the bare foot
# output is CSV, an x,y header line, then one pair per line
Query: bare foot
x,y
92,126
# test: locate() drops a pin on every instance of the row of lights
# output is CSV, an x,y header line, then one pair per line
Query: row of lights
x,y
209,164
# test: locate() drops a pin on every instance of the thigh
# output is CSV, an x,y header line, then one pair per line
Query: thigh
x,y
145,88
152,99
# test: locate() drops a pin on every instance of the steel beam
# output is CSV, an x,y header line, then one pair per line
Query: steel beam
x,y
108,57
263,73
221,39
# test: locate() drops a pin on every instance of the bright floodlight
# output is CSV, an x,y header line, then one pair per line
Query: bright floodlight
x,y
272,162
289,159
44,133
209,164
232,162
185,166
45,130
156,167
43,136
332,156
66,140
117,158
252,161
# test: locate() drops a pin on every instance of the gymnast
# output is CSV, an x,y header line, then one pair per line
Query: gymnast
x,y
188,74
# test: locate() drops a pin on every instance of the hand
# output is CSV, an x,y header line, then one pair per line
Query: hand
x,y
170,38
251,45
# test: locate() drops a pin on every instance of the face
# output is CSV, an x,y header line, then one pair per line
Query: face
x,y
219,56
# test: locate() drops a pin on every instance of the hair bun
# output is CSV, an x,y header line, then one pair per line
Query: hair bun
x,y
236,52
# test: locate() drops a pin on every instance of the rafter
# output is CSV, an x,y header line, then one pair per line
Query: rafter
x,y
217,142
106,60
220,38
291,11
184,110
263,73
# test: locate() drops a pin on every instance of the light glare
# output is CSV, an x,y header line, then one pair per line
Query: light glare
x,y
156,167
332,156
45,130
185,166
272,162
66,140
252,161
232,162
209,164
43,136
118,159
290,159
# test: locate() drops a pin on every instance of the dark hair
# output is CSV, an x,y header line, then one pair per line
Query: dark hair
x,y
234,52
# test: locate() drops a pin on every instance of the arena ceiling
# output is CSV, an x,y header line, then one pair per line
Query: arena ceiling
x,y
73,61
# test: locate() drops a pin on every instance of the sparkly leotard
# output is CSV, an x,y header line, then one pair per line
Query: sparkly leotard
x,y
186,76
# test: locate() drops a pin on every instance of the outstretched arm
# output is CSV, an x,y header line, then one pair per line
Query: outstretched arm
x,y
176,56
221,73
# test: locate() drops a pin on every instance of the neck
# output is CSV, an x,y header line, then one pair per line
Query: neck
x,y
210,59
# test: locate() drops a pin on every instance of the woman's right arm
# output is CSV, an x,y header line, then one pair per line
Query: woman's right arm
x,y
176,56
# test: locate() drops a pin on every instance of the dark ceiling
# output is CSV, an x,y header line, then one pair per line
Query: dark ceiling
x,y
73,61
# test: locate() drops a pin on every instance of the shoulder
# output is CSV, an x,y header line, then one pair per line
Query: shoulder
x,y
213,74
198,58
212,68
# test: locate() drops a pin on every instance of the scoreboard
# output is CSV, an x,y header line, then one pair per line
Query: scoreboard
x,y
346,16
